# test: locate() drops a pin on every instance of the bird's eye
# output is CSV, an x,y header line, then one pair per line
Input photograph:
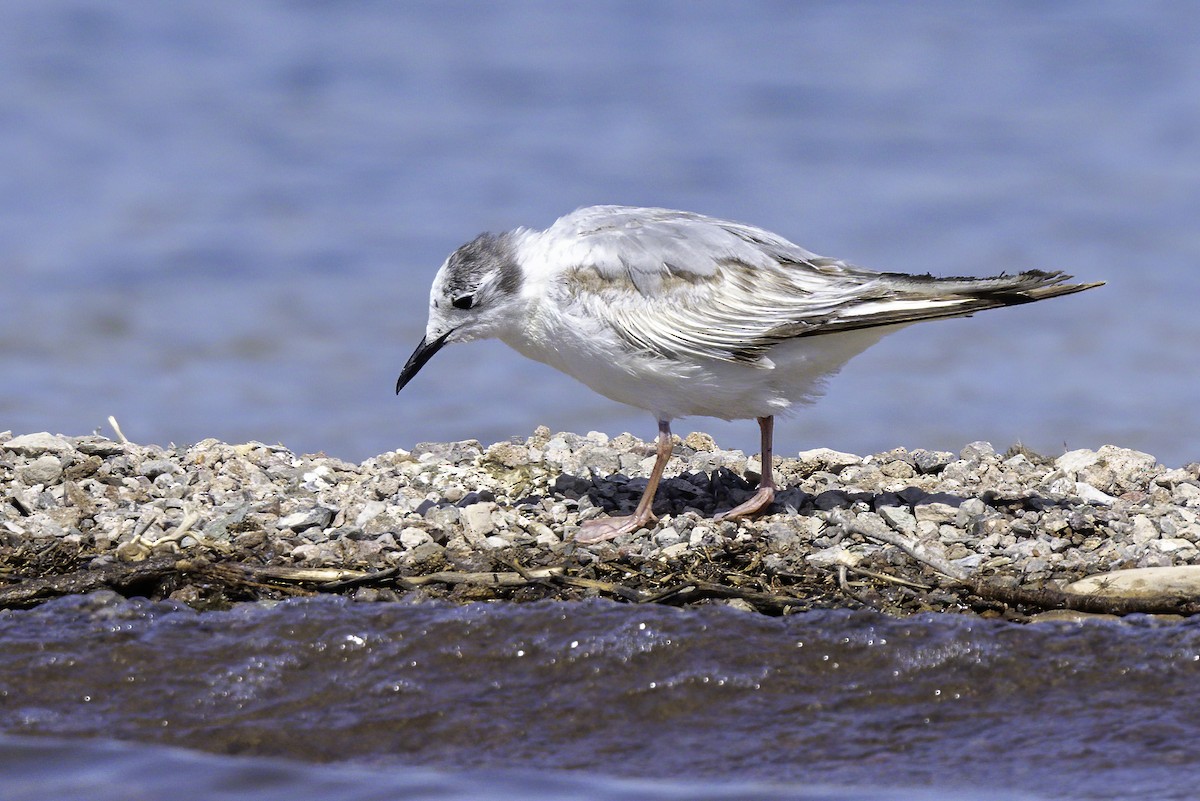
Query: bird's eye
x,y
463,302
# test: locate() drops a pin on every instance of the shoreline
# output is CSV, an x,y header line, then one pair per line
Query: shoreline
x,y
903,531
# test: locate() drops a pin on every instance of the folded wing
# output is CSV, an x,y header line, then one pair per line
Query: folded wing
x,y
681,284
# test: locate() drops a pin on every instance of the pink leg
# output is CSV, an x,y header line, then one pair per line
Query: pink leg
x,y
766,485
606,528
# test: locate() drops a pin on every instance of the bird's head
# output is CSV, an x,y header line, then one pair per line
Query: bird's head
x,y
474,296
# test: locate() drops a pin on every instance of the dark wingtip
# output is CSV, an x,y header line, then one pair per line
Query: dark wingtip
x,y
420,356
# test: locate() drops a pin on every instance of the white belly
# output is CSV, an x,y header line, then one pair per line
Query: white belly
x,y
671,388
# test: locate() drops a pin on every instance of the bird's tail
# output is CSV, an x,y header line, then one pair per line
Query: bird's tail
x,y
1005,289
898,299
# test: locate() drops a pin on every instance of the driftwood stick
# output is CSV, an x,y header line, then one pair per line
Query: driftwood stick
x,y
485,579
117,576
697,590
301,575
1052,598
606,587
909,545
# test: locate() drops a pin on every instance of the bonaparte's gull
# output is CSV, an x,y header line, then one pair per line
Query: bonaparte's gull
x,y
682,314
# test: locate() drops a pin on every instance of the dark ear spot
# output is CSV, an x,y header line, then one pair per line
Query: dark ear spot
x,y
463,302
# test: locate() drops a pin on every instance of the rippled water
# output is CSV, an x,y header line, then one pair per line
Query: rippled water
x,y
222,219
819,700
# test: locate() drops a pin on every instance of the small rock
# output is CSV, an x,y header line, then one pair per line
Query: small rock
x,y
42,470
825,459
462,452
443,516
1144,530
898,518
862,475
1090,494
960,472
426,552
898,469
935,512
1174,545
977,452
931,461
315,517
370,511
413,537
674,551
153,468
454,493
507,454
1111,469
539,530
1074,461
478,518
1188,494
666,536
1019,465
314,552
969,562
99,446
973,507
37,444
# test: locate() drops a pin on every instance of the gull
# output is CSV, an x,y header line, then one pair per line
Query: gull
x,y
682,314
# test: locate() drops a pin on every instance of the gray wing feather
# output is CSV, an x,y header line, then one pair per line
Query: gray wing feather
x,y
650,246
681,284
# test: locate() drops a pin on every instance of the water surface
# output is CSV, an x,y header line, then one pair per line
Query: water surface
x,y
599,690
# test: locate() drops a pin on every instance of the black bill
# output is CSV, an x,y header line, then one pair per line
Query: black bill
x,y
422,354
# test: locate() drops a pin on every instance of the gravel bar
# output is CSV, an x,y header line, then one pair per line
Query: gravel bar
x,y
897,531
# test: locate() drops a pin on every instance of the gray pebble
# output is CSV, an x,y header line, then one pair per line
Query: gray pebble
x,y
37,444
931,461
313,517
42,470
977,452
935,512
153,468
478,518
898,518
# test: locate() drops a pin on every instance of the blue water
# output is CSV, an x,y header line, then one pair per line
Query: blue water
x,y
222,219
589,700
99,770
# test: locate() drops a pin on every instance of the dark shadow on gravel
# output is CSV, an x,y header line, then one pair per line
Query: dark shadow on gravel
x,y
710,493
